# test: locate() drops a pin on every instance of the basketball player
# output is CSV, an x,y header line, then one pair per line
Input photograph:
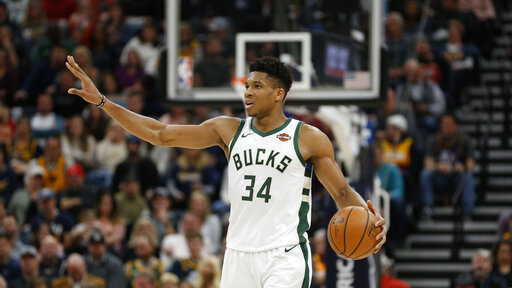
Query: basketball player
x,y
270,166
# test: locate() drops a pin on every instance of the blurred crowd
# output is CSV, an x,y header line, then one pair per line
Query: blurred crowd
x,y
83,203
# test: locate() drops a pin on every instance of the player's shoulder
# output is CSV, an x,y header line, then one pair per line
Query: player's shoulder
x,y
313,142
310,132
224,122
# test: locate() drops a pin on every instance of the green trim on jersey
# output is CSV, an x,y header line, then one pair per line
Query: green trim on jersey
x,y
296,143
304,248
233,141
271,131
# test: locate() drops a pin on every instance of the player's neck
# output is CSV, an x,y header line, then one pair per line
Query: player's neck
x,y
270,122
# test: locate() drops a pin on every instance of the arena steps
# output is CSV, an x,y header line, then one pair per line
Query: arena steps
x,y
432,255
431,270
426,259
441,227
446,241
428,283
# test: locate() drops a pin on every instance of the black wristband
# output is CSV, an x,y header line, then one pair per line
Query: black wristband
x,y
103,100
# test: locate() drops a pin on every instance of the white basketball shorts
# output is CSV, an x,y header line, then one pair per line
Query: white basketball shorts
x,y
285,267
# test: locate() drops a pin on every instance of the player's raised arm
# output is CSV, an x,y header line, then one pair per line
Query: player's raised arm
x,y
316,148
155,132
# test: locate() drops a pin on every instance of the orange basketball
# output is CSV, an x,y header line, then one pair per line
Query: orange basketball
x,y
352,232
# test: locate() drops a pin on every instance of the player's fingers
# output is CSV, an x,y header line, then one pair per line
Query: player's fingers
x,y
379,245
78,67
75,91
74,71
370,206
380,222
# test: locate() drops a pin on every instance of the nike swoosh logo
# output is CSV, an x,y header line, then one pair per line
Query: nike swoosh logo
x,y
286,250
245,135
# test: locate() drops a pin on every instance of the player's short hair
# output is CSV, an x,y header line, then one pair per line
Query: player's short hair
x,y
274,69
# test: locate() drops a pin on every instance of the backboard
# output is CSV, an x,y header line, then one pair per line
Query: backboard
x,y
334,52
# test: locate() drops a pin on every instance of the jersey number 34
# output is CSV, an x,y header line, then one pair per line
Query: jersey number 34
x,y
263,192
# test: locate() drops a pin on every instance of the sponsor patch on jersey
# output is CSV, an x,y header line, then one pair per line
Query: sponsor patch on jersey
x,y
283,137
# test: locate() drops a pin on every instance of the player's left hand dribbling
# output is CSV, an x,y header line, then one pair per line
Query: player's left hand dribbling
x,y
382,224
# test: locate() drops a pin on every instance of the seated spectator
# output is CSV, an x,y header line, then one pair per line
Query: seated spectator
x,y
189,45
129,201
9,268
102,264
480,274
60,222
56,10
112,149
399,47
11,230
34,20
502,260
128,74
24,201
23,147
318,257
9,79
64,105
214,70
395,104
412,17
51,258
54,165
183,267
392,182
208,273
448,167
169,280
163,217
459,64
78,145
77,196
45,122
103,56
80,232
143,167
174,246
401,149
40,77
111,89
8,179
77,275
109,223
29,268
143,226
193,170
426,98
211,226
83,57
11,45
96,122
145,261
144,280
430,71
147,46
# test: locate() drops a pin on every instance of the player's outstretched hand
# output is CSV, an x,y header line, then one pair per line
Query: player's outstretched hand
x,y
89,92
380,223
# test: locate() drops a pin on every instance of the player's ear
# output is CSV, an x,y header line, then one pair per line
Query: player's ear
x,y
279,96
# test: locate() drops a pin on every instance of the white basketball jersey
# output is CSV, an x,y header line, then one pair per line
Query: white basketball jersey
x,y
269,188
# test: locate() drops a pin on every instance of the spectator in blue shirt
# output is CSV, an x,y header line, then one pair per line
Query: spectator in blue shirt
x,y
9,268
392,181
60,222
